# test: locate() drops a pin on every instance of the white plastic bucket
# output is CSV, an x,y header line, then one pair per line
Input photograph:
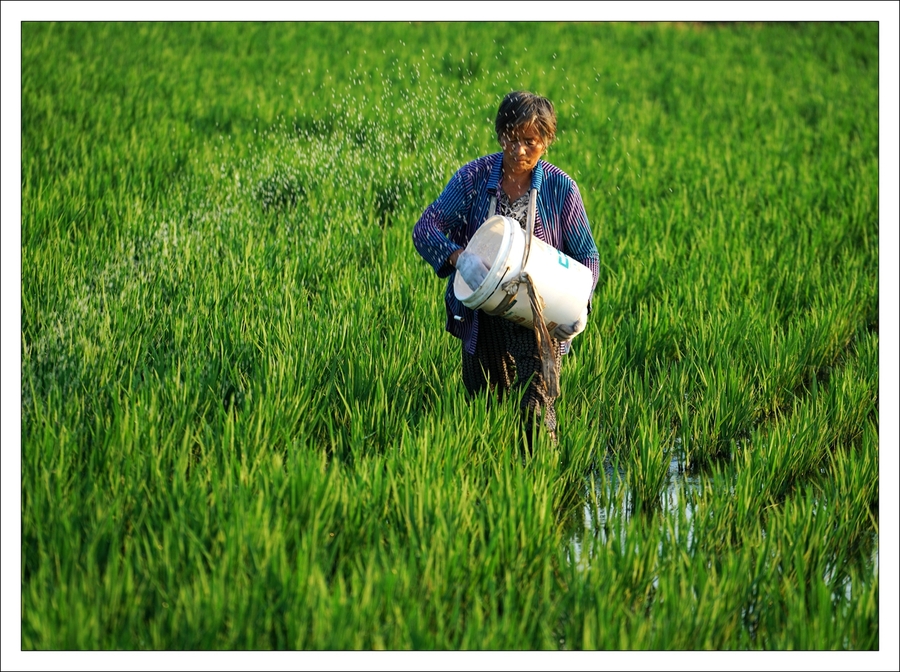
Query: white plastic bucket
x,y
563,283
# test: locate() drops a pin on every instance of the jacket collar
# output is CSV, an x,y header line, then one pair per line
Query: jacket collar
x,y
537,176
494,179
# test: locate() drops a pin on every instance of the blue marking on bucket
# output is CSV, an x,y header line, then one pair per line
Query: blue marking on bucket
x,y
563,259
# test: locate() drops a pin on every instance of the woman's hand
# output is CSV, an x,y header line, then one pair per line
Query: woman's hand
x,y
566,332
472,269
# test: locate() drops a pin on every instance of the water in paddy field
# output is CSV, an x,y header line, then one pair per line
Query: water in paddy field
x,y
611,502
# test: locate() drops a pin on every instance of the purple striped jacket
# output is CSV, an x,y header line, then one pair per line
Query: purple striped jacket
x,y
449,223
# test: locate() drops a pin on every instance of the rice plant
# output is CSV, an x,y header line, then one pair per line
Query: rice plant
x,y
243,427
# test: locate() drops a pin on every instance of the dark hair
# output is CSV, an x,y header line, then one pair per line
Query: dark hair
x,y
521,108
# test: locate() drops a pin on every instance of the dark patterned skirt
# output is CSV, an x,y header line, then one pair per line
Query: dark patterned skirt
x,y
507,359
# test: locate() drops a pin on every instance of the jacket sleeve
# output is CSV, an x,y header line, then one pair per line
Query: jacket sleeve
x,y
578,241
440,227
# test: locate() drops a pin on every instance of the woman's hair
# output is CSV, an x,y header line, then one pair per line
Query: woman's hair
x,y
521,108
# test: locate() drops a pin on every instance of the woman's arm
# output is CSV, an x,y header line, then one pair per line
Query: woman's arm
x,y
445,215
578,241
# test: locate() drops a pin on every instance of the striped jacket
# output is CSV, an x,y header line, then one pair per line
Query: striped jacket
x,y
449,223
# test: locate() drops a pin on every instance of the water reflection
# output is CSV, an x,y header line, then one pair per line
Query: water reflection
x,y
609,499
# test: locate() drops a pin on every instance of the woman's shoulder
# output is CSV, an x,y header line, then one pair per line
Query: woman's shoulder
x,y
555,173
478,171
482,163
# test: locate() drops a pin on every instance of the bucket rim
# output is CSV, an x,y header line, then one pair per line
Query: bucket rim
x,y
499,268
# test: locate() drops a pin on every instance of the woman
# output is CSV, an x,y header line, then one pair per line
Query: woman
x,y
497,353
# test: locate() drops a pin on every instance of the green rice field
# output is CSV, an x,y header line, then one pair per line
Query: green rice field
x,y
243,426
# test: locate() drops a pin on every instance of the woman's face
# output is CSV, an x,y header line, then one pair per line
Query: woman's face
x,y
522,148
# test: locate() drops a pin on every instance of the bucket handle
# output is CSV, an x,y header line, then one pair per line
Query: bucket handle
x,y
541,333
529,225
